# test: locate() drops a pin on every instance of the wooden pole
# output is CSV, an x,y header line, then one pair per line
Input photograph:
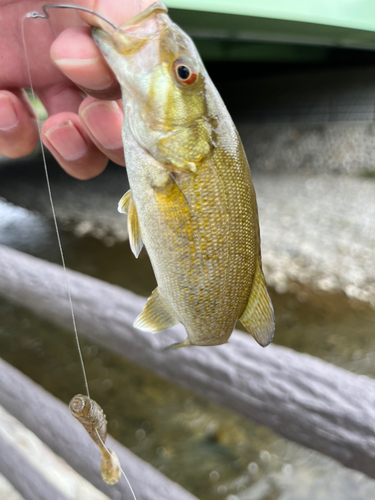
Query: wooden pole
x,y
22,475
52,422
300,397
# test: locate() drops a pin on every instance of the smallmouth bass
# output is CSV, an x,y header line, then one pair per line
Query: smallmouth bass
x,y
91,416
192,202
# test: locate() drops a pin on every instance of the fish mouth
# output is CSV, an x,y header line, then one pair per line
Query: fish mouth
x,y
101,36
130,36
138,20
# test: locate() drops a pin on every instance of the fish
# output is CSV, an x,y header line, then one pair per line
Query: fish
x,y
91,416
191,201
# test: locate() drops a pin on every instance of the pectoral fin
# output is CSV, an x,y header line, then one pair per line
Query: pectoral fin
x,y
126,206
258,317
135,237
156,315
123,204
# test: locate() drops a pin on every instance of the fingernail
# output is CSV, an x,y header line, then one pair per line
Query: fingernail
x,y
8,116
104,120
67,141
86,72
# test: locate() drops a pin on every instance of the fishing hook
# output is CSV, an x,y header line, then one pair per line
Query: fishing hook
x,y
36,14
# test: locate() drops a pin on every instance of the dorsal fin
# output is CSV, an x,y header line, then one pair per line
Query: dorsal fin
x,y
258,317
156,315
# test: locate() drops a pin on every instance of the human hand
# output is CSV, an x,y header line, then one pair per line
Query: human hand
x,y
82,131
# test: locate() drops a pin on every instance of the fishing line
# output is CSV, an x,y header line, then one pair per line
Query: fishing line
x,y
35,15
53,207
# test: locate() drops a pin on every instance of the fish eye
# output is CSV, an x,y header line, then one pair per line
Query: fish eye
x,y
184,73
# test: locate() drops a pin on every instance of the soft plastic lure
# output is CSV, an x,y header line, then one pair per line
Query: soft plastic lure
x,y
91,416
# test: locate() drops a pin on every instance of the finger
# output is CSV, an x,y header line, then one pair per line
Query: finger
x,y
103,123
76,55
18,125
67,140
62,97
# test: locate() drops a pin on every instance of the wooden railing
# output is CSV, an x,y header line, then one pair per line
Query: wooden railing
x,y
300,397
52,422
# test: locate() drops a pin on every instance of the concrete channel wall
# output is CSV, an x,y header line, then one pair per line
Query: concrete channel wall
x,y
318,121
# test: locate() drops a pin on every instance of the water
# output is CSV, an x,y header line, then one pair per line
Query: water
x,y
211,451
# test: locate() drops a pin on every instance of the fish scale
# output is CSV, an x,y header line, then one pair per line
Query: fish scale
x,y
192,201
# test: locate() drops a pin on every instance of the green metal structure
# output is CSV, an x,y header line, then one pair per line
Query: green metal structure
x,y
224,28
353,14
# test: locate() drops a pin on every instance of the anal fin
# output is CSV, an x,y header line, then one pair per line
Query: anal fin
x,y
127,206
156,315
258,317
177,345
